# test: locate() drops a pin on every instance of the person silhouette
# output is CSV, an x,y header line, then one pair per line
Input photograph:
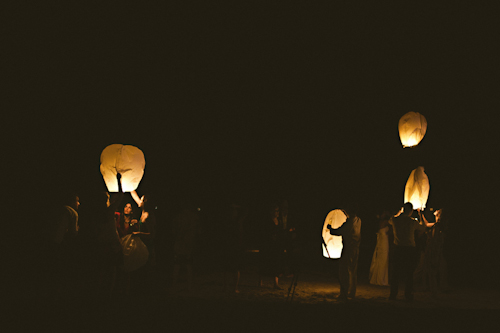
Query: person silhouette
x,y
404,228
348,265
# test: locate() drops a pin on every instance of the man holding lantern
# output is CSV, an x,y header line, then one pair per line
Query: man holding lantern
x,y
348,267
404,228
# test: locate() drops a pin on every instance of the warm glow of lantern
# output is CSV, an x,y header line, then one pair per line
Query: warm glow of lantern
x,y
412,127
333,243
417,188
126,160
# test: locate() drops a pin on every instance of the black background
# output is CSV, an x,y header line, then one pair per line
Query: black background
x,y
257,102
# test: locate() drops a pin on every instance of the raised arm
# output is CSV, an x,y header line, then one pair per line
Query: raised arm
x,y
337,231
423,219
135,196
116,198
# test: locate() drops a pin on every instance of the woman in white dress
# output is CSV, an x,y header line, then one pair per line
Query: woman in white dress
x,y
379,268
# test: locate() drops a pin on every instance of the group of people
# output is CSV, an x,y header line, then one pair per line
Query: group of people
x,y
98,245
401,261
411,250
118,245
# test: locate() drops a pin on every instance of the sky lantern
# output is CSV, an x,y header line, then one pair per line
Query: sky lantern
x,y
125,160
333,249
412,127
417,188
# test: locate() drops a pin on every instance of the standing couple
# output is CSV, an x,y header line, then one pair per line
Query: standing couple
x,y
404,254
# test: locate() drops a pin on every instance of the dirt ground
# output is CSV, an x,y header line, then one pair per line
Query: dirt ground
x,y
156,308
320,288
153,306
315,306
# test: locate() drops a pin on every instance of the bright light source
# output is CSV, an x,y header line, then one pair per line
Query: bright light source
x,y
412,127
128,161
333,243
417,188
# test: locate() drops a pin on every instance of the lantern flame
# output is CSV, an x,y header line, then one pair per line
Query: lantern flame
x,y
412,127
333,243
126,160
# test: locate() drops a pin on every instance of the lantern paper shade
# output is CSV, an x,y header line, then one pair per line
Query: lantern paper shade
x,y
333,243
417,188
126,160
412,127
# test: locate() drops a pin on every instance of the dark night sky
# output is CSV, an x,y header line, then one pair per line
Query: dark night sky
x,y
299,101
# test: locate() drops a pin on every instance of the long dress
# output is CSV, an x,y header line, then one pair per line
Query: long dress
x,y
379,268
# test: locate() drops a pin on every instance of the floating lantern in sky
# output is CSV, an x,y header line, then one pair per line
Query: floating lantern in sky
x,y
333,248
126,160
417,188
412,127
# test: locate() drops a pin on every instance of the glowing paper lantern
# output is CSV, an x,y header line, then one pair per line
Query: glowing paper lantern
x,y
412,127
333,243
417,188
125,160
